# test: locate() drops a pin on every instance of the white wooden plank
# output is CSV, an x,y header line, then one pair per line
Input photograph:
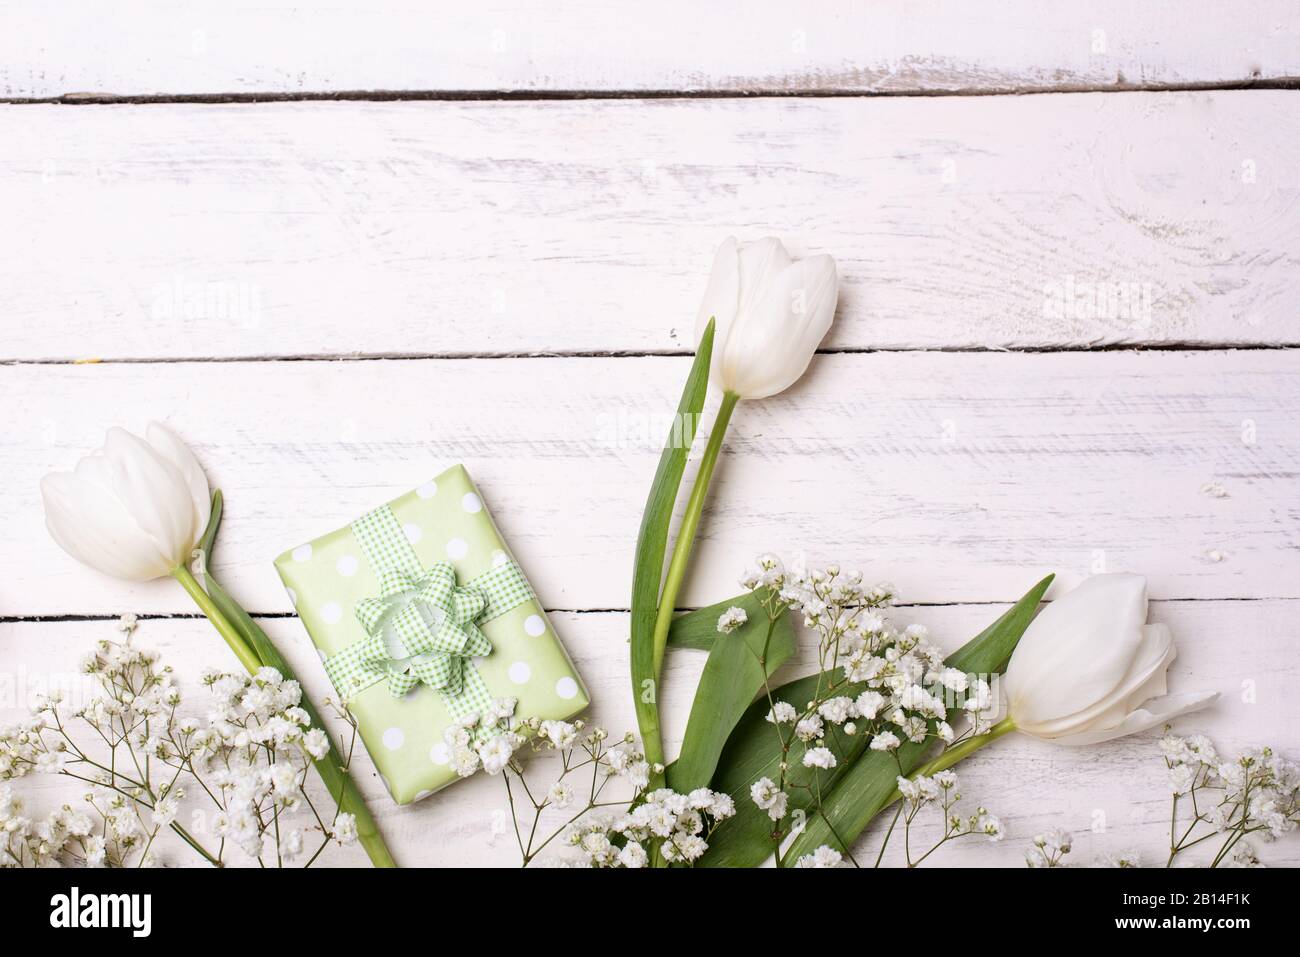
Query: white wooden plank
x,y
1032,785
470,228
959,476
941,45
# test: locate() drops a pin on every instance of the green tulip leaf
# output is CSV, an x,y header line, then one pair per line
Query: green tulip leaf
x,y
752,752
652,542
737,667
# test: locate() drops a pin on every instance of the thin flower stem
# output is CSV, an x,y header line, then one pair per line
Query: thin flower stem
x,y
514,819
848,851
312,860
180,831
885,843
565,826
1173,827
1240,831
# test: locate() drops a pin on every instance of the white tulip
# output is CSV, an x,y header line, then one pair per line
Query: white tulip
x,y
772,313
134,509
1089,668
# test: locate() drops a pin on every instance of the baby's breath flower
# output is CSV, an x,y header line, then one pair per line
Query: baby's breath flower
x,y
1125,859
731,619
633,855
497,751
836,710
1049,849
809,727
824,856
885,741
345,828
559,734
782,712
768,797
560,794
819,758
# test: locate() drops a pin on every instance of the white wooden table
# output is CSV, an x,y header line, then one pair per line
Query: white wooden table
x,y
340,249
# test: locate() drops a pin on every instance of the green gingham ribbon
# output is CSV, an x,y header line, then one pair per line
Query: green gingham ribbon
x,y
422,628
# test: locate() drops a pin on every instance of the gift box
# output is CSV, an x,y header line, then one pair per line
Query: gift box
x,y
422,616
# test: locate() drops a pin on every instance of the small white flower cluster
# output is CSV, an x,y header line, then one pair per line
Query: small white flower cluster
x,y
250,756
1050,849
23,750
824,856
770,798
254,753
731,619
674,826
486,740
1244,856
1124,859
893,686
1256,793
909,688
941,790
67,836
679,823
917,794
580,749
132,691
626,761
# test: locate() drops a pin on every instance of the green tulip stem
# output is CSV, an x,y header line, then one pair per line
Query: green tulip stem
x,y
245,654
653,743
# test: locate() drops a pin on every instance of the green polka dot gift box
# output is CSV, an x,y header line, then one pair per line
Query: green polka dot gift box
x,y
422,618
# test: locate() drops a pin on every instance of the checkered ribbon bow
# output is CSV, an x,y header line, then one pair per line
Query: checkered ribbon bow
x,y
433,622
422,627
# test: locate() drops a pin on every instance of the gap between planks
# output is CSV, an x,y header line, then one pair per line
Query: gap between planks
x,y
283,615
1281,346
1120,85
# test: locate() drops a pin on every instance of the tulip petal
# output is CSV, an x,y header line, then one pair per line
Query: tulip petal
x,y
89,522
1078,650
1144,679
721,300
170,447
152,490
781,330
760,262
1156,712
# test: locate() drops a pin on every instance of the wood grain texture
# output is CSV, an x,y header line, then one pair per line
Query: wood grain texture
x,y
310,229
1030,784
273,46
959,476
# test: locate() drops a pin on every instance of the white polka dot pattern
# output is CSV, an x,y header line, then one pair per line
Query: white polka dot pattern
x,y
520,672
